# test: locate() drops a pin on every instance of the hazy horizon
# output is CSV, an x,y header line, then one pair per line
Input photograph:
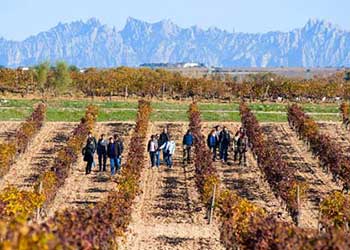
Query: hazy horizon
x,y
24,18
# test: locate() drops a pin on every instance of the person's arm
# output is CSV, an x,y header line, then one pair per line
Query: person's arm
x,y
163,146
149,146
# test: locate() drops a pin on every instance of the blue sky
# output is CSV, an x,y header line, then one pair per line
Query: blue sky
x,y
21,18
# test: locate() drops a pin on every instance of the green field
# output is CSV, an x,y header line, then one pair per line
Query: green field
x,y
73,110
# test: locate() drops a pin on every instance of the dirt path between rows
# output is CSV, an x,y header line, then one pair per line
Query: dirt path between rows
x,y
247,181
308,169
80,190
7,130
168,213
38,157
337,133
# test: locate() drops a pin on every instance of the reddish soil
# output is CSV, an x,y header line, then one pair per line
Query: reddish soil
x,y
38,157
168,213
308,169
247,181
82,190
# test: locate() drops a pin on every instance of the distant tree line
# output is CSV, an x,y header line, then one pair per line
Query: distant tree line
x,y
62,79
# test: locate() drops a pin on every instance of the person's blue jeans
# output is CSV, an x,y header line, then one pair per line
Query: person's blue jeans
x,y
165,155
112,162
223,153
158,159
152,156
169,160
118,163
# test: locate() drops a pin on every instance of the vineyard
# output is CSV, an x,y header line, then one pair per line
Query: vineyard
x,y
292,193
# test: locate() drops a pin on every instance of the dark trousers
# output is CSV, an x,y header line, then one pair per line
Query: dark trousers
x,y
216,150
213,150
240,154
187,154
102,162
152,156
169,160
88,167
223,153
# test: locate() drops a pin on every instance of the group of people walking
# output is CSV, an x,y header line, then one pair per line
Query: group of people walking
x,y
163,145
112,148
219,141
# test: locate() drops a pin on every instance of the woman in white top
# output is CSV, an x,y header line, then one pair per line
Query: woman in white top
x,y
169,150
152,148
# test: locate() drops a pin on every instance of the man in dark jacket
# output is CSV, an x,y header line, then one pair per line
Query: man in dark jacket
x,y
187,143
102,153
163,138
88,153
225,140
217,135
119,148
111,153
242,145
90,136
212,142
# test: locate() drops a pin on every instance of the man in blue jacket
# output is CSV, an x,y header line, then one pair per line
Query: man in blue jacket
x,y
212,143
187,143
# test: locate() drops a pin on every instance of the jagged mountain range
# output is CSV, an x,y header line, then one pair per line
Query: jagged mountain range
x,y
90,43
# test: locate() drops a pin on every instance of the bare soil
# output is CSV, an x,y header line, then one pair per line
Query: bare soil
x,y
247,181
82,190
39,155
7,130
338,134
296,154
168,213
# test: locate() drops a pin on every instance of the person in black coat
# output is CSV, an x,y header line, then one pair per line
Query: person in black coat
x,y
90,136
163,138
102,153
88,153
112,154
225,140
119,148
187,143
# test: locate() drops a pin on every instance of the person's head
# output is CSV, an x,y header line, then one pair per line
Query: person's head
x,y
115,137
102,136
165,130
156,136
224,129
189,132
152,137
217,128
241,130
111,140
90,134
212,131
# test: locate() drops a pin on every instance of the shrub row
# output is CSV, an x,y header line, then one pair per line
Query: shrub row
x,y
321,145
54,178
21,204
98,227
24,134
88,228
247,226
280,175
206,174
